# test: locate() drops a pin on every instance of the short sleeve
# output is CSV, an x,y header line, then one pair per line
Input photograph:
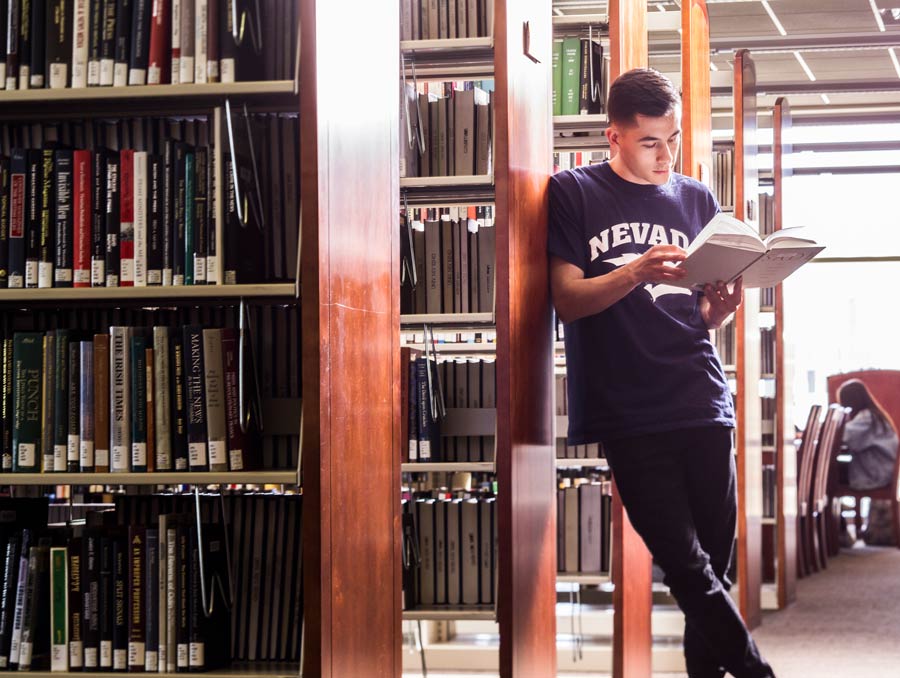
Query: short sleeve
x,y
565,228
712,205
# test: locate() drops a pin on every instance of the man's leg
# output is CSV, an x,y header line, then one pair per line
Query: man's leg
x,y
652,477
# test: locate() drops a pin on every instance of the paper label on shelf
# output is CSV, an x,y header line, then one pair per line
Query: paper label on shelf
x,y
26,453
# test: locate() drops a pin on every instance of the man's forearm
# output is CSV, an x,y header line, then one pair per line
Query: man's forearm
x,y
576,299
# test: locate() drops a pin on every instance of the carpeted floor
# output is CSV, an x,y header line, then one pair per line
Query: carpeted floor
x,y
845,623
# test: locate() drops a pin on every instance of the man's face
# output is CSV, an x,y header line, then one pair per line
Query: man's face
x,y
646,150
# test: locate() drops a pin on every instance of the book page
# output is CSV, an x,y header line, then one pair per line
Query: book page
x,y
727,230
778,264
714,262
796,236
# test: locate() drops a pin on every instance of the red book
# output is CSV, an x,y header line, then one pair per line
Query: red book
x,y
126,217
157,71
81,218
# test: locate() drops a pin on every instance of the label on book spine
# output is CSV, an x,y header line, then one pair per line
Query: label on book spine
x,y
101,457
198,655
45,274
212,269
25,654
86,453
26,453
98,272
154,77
106,653
120,79
72,449
31,274
139,455
107,67
58,658
120,457
76,652
237,460
120,660
136,653
199,269
90,657
59,76
59,457
151,661
196,454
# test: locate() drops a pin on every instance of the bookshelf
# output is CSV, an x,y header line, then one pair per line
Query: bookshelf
x,y
180,295
153,478
748,436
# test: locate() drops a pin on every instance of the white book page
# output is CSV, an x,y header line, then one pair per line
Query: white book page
x,y
777,264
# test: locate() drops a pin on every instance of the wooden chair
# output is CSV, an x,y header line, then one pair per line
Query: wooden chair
x,y
820,513
806,456
884,385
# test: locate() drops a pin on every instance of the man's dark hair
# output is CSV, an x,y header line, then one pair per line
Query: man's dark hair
x,y
641,91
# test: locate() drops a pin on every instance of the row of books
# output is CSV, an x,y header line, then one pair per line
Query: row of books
x,y
272,367
580,74
725,345
132,217
766,227
448,259
584,527
446,129
434,386
768,412
442,19
563,449
722,180
485,338
133,400
95,43
767,350
769,490
450,551
565,161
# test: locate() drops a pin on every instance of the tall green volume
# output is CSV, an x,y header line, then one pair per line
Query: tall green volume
x,y
27,358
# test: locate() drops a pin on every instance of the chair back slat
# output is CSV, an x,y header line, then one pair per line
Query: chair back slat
x,y
829,445
806,454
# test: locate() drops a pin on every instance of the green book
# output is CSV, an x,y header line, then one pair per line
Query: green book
x,y
189,217
28,350
557,76
59,609
571,71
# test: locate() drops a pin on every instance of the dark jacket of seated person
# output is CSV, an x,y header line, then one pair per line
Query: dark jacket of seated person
x,y
869,436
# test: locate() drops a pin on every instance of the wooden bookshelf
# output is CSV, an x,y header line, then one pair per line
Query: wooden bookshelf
x,y
238,670
448,467
786,526
168,296
583,579
696,148
447,613
154,478
478,180
473,321
748,436
581,463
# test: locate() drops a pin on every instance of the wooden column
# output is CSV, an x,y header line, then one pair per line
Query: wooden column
x,y
696,122
786,453
350,310
632,564
525,444
748,434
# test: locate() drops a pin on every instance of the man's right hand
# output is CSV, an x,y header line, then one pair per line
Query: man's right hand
x,y
657,265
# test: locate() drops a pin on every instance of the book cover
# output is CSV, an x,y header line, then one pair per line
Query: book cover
x,y
73,426
155,221
18,200
4,216
108,42
34,183
24,44
48,394
195,403
11,558
200,225
167,205
136,596
158,58
65,222
162,398
12,43
38,44
178,400
80,18
138,404
121,564
151,600
179,202
61,400
101,403
47,226
81,213
214,386
189,216
113,220
95,39
90,608
99,187
86,429
122,43
140,206
67,648
126,217
120,397
139,48
27,400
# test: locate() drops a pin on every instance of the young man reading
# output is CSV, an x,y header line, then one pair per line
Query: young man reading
x,y
643,377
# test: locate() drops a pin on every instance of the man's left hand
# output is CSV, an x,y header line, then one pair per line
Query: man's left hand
x,y
720,303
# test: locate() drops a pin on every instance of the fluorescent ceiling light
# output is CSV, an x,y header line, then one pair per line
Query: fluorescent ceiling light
x,y
806,69
894,59
771,13
877,15
825,98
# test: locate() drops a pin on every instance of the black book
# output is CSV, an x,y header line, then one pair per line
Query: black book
x,y
62,274
4,16
25,43
4,217
48,216
139,52
58,51
18,193
137,537
6,452
112,220
34,653
212,254
201,213
108,41
106,599
95,39
195,398
33,217
590,90
155,220
167,205
12,43
122,50
178,213
76,603
182,593
38,43
120,551
11,558
74,409
98,204
231,257
177,400
90,593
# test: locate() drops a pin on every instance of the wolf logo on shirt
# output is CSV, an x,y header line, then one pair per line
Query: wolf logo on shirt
x,y
655,290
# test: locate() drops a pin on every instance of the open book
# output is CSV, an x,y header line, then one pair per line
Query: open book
x,y
727,248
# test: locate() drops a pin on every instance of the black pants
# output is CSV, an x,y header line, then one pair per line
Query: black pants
x,y
679,490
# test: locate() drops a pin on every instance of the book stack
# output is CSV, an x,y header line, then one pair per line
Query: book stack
x,y
580,77
452,542
443,19
565,161
446,129
563,449
62,44
723,178
584,527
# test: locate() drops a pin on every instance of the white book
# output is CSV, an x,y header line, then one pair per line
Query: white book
x,y
120,398
80,12
141,206
186,30
727,248
214,381
175,46
200,40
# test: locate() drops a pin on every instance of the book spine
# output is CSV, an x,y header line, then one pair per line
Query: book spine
x,y
234,434
140,194
62,270
122,42
32,605
150,408
101,403
175,62
113,204
59,43
126,218
74,412
194,398
95,40
80,16
24,44
108,43
166,210
48,395
33,218
8,599
162,398
424,409
120,395
98,204
182,592
138,405
48,225
106,602
213,243
186,42
120,598
19,609
12,44
158,59
81,212
189,211
200,41
151,600
180,455
139,54
201,214
61,401
212,41
38,43
160,590
27,348
86,439
179,200
171,664
154,221
232,223
137,537
18,190
4,216
227,46
74,597
215,400
6,454
91,600
196,642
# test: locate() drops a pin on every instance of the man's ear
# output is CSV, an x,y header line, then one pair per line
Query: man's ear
x,y
612,134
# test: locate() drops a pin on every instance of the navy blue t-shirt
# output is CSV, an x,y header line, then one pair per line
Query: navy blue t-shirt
x,y
645,364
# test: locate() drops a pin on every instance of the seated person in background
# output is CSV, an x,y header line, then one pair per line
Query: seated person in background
x,y
869,436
